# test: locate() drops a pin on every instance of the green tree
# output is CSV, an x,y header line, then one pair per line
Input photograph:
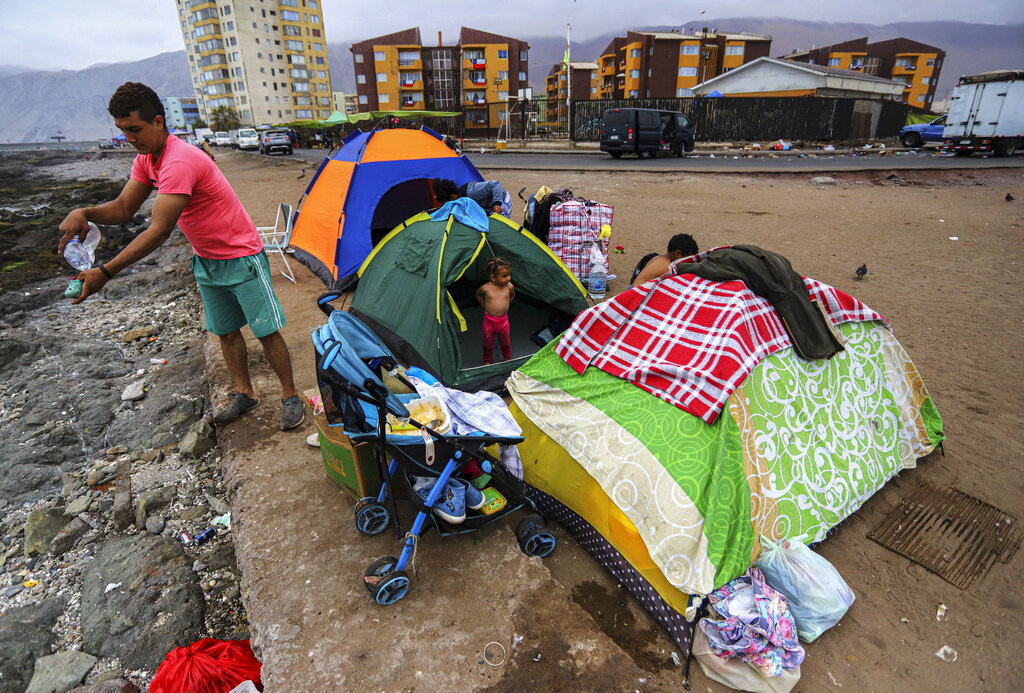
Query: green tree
x,y
198,123
224,118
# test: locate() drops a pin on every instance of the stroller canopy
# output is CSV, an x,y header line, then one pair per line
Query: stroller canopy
x,y
417,292
375,181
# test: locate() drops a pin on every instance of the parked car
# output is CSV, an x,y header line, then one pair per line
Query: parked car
x,y
645,132
105,144
247,139
916,135
221,139
275,141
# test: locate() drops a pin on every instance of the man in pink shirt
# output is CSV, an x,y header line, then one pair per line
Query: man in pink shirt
x,y
230,265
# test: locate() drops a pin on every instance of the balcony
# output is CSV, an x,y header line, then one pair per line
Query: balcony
x,y
478,63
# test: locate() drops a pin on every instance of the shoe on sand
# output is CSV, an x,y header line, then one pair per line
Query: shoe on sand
x,y
238,405
293,412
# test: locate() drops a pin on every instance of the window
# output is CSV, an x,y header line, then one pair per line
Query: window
x,y
360,79
478,76
293,45
289,3
634,74
325,101
734,50
635,53
406,58
522,76
383,98
322,74
230,25
318,47
363,98
289,16
409,78
378,55
687,72
473,55
312,4
502,96
382,76
633,93
689,49
357,58
906,63
502,55
319,60
593,90
522,55
303,113
930,62
926,80
833,62
681,92
502,74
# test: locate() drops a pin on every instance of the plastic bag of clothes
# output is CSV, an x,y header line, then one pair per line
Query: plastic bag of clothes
x,y
207,666
757,626
818,596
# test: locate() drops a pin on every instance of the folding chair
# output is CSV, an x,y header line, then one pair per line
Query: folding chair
x,y
276,239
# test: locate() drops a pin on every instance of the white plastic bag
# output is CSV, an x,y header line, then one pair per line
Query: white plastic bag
x,y
818,596
737,674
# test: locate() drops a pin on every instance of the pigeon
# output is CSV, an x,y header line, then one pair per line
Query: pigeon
x,y
301,174
1009,197
861,271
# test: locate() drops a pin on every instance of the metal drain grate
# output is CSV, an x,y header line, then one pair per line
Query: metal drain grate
x,y
956,536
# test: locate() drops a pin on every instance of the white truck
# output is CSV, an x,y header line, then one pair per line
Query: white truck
x,y
204,134
986,114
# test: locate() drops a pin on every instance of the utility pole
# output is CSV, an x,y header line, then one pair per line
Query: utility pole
x,y
568,79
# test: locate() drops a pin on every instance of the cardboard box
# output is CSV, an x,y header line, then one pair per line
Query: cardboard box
x,y
352,466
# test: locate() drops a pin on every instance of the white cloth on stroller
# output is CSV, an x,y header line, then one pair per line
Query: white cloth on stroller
x,y
478,411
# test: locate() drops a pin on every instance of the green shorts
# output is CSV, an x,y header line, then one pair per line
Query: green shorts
x,y
237,292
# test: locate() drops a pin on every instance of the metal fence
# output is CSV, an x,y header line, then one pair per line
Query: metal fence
x,y
759,119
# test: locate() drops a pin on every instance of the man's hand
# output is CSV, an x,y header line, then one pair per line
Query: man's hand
x,y
92,281
74,224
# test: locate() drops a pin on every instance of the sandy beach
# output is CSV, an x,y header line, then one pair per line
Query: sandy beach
x,y
943,251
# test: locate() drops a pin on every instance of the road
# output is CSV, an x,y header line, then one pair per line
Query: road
x,y
722,162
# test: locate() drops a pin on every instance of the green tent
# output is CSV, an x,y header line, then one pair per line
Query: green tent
x,y
417,292
336,118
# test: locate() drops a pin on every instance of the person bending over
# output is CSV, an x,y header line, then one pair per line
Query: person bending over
x,y
229,265
488,194
679,246
496,297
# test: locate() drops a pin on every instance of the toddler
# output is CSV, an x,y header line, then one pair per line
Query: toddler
x,y
496,296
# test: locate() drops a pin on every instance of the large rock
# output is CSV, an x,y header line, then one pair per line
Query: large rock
x,y
140,600
199,440
118,685
25,634
42,526
66,538
61,671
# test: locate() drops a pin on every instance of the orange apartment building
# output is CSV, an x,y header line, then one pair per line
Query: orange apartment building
x,y
475,76
916,65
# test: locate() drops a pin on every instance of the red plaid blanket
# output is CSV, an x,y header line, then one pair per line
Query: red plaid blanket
x,y
688,340
574,226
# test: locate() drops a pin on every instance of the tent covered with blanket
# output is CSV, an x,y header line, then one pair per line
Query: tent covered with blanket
x,y
675,424
371,184
417,290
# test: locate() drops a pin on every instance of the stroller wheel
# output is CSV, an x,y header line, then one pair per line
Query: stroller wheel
x,y
372,517
534,538
377,571
391,588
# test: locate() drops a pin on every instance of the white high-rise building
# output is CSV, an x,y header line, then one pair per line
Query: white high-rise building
x,y
266,59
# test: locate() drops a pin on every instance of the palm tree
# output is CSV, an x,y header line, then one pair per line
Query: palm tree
x,y
224,118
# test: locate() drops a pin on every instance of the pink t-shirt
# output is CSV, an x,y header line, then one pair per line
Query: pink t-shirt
x,y
214,220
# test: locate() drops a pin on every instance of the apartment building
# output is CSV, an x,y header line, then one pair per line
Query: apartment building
x,y
180,111
585,78
663,64
266,59
344,102
478,75
913,64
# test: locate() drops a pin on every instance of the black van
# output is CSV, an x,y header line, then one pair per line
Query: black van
x,y
645,132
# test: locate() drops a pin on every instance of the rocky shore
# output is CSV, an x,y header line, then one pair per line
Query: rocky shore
x,y
106,462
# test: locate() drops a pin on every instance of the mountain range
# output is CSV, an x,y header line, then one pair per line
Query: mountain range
x,y
36,104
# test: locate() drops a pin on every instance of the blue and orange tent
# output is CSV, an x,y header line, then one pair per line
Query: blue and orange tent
x,y
375,181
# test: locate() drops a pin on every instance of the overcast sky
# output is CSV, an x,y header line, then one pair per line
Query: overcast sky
x,y
78,33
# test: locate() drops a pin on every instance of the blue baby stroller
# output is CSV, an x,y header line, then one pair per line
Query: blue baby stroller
x,y
351,361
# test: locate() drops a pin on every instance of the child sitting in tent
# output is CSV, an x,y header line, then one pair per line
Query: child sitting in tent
x,y
496,297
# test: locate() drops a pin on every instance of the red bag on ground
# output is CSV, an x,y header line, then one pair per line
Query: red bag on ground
x,y
207,666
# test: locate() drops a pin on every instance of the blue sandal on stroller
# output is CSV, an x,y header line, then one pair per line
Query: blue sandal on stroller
x,y
350,363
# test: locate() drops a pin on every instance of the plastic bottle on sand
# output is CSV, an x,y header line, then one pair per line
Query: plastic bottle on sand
x,y
598,281
81,255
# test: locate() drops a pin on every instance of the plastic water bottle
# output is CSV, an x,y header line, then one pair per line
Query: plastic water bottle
x,y
81,255
598,281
